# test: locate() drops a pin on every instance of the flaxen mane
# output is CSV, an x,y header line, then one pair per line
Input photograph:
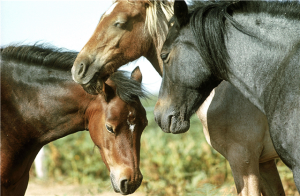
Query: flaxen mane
x,y
207,19
158,14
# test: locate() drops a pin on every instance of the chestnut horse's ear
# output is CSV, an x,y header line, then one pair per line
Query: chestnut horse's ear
x,y
137,75
181,11
108,92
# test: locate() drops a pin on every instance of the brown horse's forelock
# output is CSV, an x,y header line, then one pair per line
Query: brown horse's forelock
x,y
128,89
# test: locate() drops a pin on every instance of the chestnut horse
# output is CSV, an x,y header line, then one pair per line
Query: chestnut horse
x,y
40,103
231,124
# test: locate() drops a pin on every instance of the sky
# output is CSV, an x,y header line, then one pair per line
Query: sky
x,y
67,24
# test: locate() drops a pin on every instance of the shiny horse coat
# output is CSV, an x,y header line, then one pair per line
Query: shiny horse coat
x,y
232,124
40,103
255,46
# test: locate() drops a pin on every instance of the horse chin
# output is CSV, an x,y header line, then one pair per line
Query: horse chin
x,y
89,89
95,86
178,126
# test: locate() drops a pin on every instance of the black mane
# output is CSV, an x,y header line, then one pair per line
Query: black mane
x,y
40,54
127,88
207,19
44,55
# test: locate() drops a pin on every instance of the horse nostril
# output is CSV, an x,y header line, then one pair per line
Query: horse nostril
x,y
81,68
157,117
124,186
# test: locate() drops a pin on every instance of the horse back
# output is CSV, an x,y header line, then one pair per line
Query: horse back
x,y
35,102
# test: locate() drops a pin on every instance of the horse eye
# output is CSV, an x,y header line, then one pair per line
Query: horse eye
x,y
164,56
119,24
109,129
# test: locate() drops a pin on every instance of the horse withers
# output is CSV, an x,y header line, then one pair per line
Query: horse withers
x,y
255,45
40,103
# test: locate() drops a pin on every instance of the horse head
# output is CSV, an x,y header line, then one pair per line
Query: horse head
x,y
187,81
116,129
125,32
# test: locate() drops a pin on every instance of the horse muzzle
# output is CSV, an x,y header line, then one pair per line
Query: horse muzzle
x,y
169,120
124,184
179,125
85,68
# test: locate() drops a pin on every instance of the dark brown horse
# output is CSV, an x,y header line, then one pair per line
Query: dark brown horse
x,y
40,103
231,124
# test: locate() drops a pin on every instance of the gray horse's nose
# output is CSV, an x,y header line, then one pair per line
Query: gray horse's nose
x,y
162,120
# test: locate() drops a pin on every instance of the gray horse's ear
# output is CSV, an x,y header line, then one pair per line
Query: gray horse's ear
x,y
136,74
181,11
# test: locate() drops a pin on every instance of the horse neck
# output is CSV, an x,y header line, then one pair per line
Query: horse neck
x,y
263,71
153,55
46,98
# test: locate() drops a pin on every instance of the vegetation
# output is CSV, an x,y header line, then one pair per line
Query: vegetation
x,y
181,164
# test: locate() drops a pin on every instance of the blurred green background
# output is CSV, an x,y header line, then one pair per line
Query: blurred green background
x,y
181,164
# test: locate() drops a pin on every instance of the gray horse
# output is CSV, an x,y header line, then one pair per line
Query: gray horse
x,y
255,46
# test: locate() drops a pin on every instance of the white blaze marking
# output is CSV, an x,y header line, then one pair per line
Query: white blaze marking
x,y
111,9
131,126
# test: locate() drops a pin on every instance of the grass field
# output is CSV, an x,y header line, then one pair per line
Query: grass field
x,y
181,164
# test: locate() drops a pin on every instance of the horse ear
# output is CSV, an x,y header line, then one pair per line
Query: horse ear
x,y
136,74
108,92
181,11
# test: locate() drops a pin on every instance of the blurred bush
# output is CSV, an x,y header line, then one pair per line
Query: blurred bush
x,y
181,164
